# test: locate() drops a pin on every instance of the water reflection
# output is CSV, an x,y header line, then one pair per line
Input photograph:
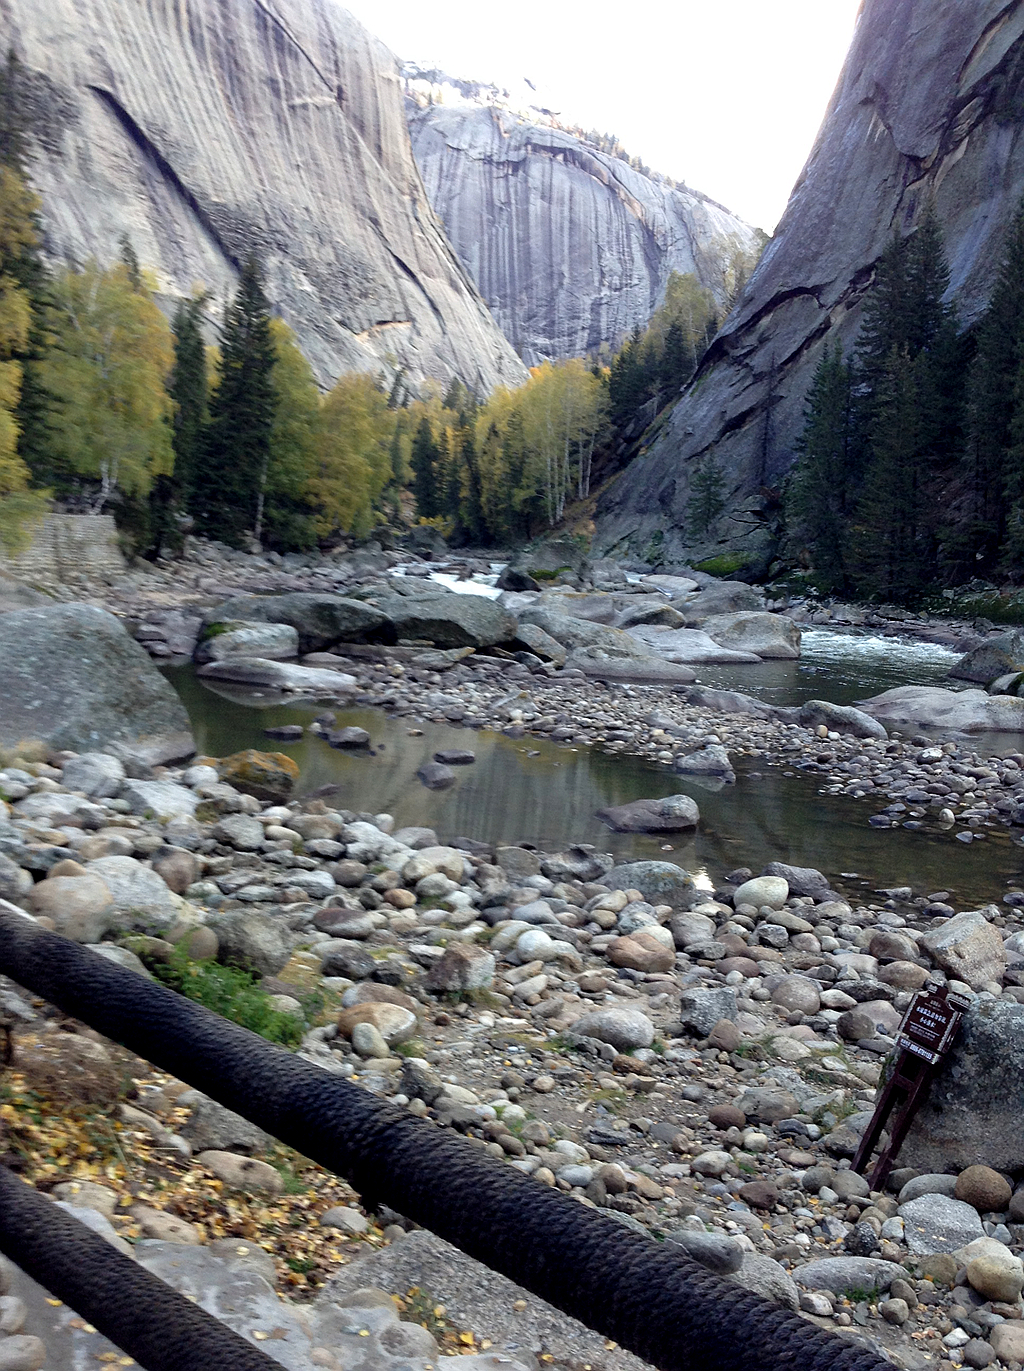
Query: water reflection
x,y
547,794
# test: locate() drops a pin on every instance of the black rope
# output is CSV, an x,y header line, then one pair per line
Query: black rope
x,y
161,1329
647,1296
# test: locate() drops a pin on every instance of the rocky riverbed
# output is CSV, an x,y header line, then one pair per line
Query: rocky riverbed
x,y
699,1064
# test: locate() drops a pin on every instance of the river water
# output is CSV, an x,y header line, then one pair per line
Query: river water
x,y
531,790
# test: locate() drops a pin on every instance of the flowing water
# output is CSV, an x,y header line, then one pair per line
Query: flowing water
x,y
547,793
841,667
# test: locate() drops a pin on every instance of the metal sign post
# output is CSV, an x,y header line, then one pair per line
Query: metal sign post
x,y
926,1034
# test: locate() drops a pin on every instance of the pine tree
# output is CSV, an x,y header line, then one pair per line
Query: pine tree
x,y
819,494
130,259
909,388
425,462
892,535
236,441
189,391
994,478
474,517
677,361
706,502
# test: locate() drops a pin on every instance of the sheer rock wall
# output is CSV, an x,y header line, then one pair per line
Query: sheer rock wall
x,y
930,105
569,246
202,128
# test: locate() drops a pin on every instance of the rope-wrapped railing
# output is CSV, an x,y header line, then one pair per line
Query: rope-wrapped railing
x,y
647,1296
161,1329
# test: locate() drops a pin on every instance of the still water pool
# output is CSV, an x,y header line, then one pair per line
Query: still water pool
x,y
547,793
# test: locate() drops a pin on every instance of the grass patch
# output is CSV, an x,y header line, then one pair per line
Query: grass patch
x,y
858,1295
613,1100
415,1047
724,565
539,574
233,994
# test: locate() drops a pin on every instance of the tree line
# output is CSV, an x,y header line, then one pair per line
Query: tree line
x,y
213,419
910,468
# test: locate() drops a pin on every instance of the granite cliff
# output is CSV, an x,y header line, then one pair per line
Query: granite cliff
x,y
569,245
202,128
928,107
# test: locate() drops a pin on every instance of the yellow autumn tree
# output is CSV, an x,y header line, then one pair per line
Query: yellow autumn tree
x,y
353,461
109,369
19,506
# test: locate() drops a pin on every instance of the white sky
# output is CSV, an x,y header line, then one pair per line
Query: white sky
x,y
724,94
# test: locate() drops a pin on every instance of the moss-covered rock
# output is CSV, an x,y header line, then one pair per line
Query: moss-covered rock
x,y
266,775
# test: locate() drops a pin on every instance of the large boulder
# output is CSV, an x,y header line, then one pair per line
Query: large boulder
x,y
999,655
96,774
81,907
688,645
767,635
253,941
955,711
141,898
968,948
672,814
971,1115
729,702
319,619
593,661
449,619
551,555
541,644
658,882
320,682
278,642
264,775
721,597
73,677
840,719
578,634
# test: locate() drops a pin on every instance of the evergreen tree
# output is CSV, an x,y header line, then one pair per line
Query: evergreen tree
x,y
894,556
819,495
189,391
628,382
994,476
425,462
910,368
474,517
130,259
236,441
707,498
677,361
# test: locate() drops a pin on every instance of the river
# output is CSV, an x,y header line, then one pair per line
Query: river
x,y
531,790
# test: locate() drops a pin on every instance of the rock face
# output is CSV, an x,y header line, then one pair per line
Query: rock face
x,y
964,1121
926,108
569,246
72,676
203,131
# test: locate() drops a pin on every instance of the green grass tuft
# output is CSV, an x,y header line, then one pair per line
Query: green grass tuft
x,y
233,994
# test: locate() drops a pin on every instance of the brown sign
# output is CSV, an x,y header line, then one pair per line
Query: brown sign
x,y
923,1038
930,1023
